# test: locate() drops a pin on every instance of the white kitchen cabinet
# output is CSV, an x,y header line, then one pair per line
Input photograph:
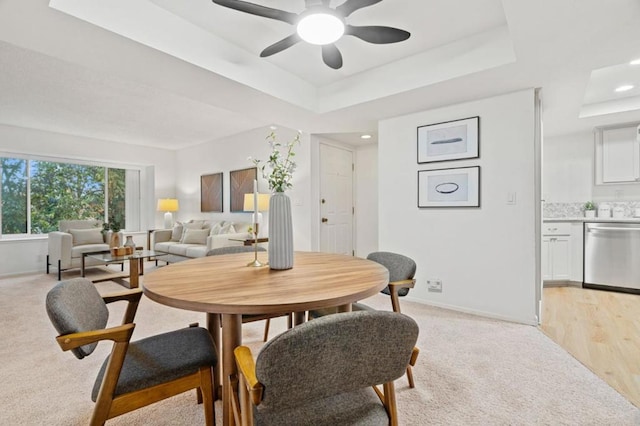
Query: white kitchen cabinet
x,y
618,155
556,252
556,258
577,244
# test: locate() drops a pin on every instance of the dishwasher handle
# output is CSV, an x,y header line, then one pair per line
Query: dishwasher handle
x,y
601,228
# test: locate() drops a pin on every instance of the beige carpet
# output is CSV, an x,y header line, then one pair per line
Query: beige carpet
x,y
471,371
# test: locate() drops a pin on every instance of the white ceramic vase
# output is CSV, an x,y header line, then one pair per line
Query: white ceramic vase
x,y
130,243
280,232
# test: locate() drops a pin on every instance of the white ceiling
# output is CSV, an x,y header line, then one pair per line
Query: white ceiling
x,y
172,73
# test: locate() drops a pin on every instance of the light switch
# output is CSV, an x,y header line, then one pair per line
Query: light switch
x,y
511,198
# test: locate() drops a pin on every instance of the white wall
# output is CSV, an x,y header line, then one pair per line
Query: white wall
x,y
366,200
484,256
231,153
29,255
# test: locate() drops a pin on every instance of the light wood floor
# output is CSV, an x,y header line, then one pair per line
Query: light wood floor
x,y
601,329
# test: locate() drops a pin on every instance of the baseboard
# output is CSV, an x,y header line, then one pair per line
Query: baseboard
x,y
564,283
533,321
23,273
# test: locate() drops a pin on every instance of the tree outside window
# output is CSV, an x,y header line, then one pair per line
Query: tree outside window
x,y
14,195
58,191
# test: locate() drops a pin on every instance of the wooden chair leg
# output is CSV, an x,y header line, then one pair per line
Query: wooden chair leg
x,y
410,377
395,301
206,390
266,329
390,403
412,361
199,395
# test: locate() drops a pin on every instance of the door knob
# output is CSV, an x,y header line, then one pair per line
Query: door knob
x,y
325,220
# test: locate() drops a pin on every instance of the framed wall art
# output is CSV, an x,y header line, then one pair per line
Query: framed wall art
x,y
241,182
451,140
211,193
457,187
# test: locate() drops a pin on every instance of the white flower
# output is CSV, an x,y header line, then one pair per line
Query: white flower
x,y
281,163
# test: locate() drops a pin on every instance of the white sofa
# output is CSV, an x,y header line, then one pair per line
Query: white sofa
x,y
195,238
74,238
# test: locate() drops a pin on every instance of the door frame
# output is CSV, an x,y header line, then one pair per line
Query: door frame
x,y
538,214
315,142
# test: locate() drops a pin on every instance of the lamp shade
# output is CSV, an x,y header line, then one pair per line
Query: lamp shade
x,y
167,205
263,202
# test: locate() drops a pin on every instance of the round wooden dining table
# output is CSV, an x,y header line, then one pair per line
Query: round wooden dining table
x,y
226,285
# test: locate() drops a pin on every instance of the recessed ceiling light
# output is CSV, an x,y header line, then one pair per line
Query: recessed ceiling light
x,y
365,137
635,62
624,88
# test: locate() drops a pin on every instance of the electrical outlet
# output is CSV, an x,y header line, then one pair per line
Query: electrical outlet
x,y
434,286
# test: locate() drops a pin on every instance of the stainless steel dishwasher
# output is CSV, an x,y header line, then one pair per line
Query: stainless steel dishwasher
x,y
612,256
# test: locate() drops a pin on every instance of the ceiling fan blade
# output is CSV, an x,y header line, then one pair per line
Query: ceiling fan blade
x,y
332,56
279,46
377,34
256,9
350,6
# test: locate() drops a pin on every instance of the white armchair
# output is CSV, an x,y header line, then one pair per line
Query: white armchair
x,y
75,238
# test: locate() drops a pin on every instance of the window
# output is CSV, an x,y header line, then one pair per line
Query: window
x,y
37,194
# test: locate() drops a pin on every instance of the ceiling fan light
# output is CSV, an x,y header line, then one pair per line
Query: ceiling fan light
x,y
320,28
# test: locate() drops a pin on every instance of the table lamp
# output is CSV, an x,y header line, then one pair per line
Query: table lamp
x,y
257,203
263,206
168,205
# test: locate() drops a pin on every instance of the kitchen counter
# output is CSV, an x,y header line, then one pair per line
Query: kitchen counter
x,y
595,219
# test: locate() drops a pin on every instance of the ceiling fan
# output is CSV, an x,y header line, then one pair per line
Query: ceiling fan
x,y
319,24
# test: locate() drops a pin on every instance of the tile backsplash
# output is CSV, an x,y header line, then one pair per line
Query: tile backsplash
x,y
562,210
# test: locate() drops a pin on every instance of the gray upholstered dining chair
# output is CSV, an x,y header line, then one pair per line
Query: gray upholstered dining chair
x,y
326,372
137,373
402,270
251,317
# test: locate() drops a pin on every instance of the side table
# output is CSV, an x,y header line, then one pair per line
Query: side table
x,y
251,241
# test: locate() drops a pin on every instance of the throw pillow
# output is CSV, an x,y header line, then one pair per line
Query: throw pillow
x,y
189,225
227,228
195,236
192,225
176,234
86,236
215,229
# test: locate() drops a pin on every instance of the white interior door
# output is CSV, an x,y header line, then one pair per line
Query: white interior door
x,y
336,200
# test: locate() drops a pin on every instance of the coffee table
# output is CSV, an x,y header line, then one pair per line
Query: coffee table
x,y
136,265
